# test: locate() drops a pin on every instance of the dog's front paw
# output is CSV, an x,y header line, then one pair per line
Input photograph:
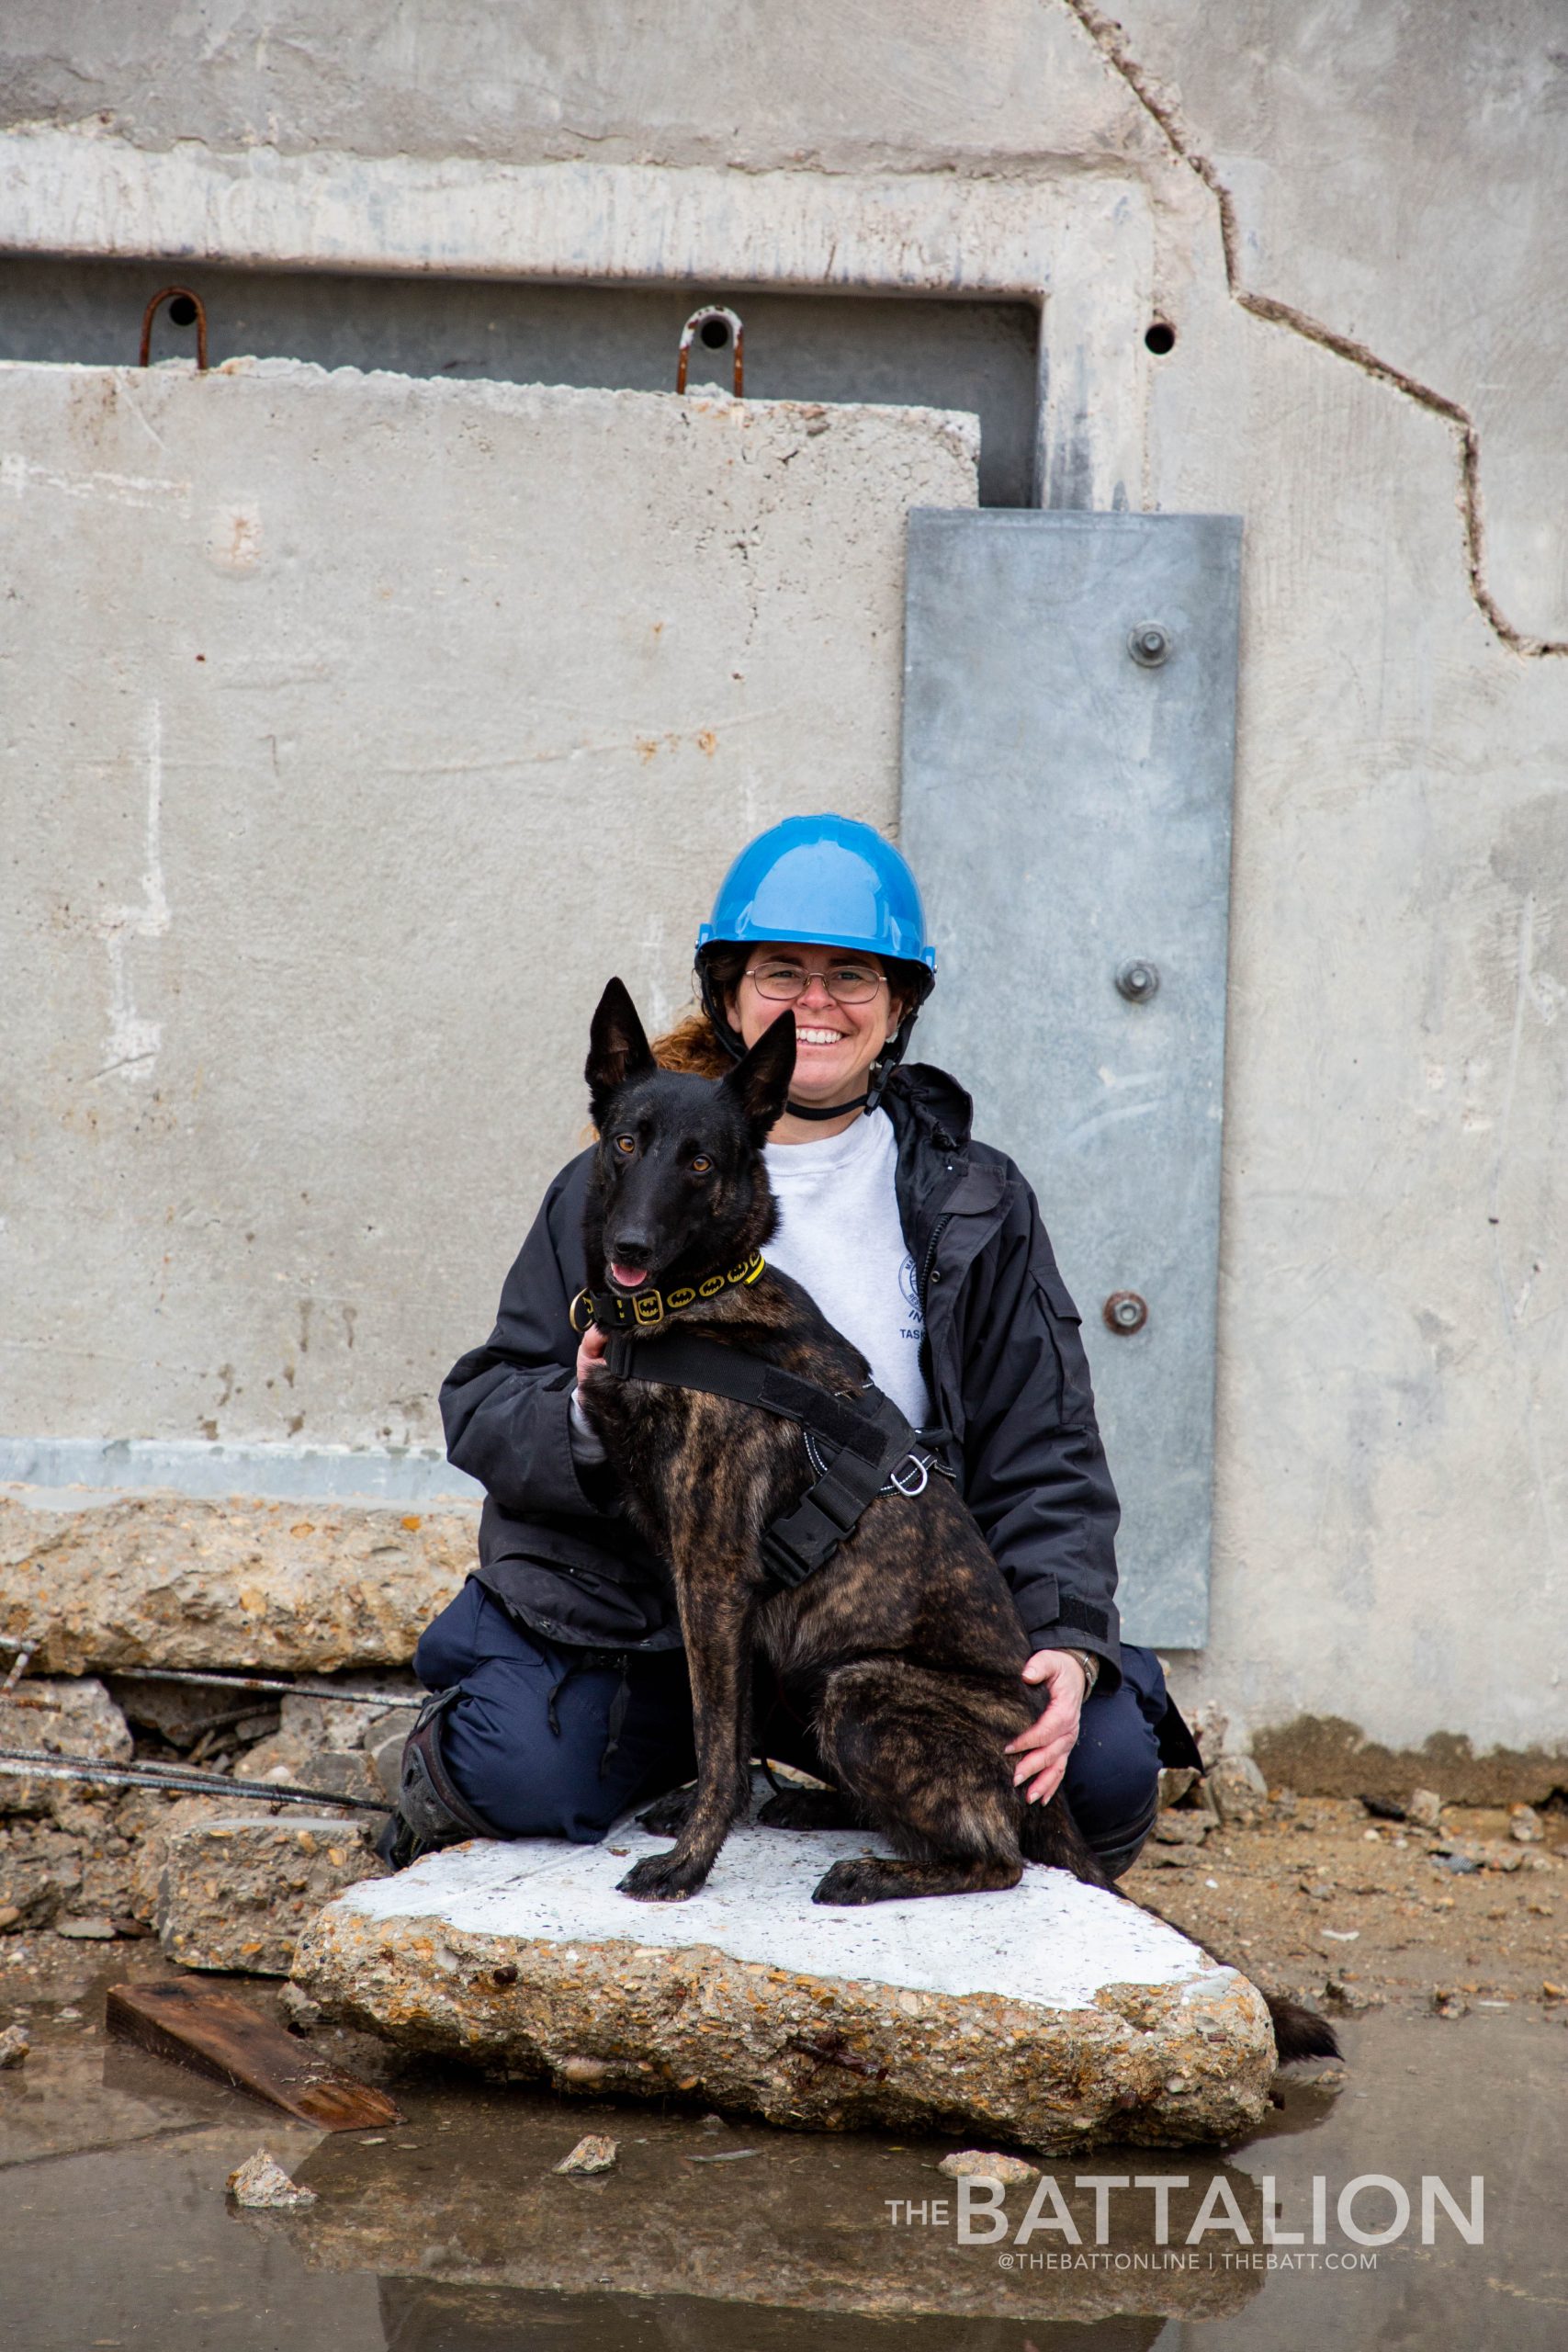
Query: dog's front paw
x,y
864,1878
669,1815
660,1878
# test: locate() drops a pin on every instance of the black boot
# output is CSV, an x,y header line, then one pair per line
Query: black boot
x,y
431,1811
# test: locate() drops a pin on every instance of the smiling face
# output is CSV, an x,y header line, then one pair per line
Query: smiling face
x,y
836,1043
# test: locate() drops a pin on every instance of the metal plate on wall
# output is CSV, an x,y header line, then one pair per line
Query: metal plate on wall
x,y
1069,725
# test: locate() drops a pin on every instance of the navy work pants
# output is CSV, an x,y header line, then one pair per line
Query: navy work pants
x,y
554,1742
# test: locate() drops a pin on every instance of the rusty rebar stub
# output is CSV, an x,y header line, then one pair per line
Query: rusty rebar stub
x,y
171,294
737,336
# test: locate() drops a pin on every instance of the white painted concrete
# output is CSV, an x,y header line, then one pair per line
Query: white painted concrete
x,y
1048,1940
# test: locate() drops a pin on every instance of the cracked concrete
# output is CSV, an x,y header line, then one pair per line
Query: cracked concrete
x,y
1164,106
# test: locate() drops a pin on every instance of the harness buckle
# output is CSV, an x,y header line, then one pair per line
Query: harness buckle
x,y
783,1562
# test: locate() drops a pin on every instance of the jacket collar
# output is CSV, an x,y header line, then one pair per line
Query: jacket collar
x,y
920,1094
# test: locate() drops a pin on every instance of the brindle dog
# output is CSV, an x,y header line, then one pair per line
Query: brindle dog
x,y
904,1651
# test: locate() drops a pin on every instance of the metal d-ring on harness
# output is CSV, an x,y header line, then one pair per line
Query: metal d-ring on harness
x,y
874,1450
909,1478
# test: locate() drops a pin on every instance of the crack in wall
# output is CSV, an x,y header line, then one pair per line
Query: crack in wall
x,y
1110,40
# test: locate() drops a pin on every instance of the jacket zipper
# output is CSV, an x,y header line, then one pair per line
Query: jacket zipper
x,y
940,1226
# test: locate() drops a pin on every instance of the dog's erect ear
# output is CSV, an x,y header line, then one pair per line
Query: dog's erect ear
x,y
618,1048
761,1080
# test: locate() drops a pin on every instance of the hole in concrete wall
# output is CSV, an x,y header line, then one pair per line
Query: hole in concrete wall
x,y
182,311
982,356
1160,338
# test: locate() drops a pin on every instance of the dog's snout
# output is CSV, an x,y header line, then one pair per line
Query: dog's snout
x,y
632,1248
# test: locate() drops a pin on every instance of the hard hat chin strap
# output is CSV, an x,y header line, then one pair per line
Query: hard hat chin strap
x,y
830,1110
734,1045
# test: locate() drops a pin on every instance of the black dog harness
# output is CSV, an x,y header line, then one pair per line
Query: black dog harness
x,y
859,1446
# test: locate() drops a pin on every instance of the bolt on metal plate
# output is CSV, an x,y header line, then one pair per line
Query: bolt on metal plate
x,y
1138,980
1149,645
1125,1312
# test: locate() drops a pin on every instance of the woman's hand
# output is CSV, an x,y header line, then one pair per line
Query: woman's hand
x,y
1043,1750
591,1351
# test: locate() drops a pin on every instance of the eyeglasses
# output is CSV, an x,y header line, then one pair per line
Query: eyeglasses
x,y
845,983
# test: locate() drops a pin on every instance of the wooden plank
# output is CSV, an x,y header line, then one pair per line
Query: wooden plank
x,y
216,2033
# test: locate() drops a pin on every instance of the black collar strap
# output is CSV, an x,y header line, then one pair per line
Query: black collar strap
x,y
834,1110
644,1310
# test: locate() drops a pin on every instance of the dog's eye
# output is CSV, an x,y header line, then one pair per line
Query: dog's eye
x,y
700,1166
626,1144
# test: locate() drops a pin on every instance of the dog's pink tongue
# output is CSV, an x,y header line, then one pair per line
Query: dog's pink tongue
x,y
629,1277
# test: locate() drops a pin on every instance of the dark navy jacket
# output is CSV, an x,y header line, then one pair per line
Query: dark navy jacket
x,y
1005,1369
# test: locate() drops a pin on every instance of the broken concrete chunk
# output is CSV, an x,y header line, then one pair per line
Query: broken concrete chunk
x,y
14,2047
262,2186
1237,1792
1424,1809
593,2153
340,1772
384,1746
150,1819
1526,1825
338,1722
397,1722
1051,2015
180,1711
235,1893
91,1930
983,2163
67,1718
169,1579
1183,1829
299,2013
1174,1781
32,1892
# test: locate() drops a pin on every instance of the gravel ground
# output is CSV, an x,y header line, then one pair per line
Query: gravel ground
x,y
1321,1901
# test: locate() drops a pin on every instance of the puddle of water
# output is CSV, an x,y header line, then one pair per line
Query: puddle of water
x,y
453,2233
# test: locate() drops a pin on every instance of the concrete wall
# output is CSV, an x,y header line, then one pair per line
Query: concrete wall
x,y
1353,218
358,728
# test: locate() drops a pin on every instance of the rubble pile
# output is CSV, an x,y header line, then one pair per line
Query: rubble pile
x,y
224,1882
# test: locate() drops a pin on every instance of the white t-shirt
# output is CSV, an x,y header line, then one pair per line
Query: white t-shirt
x,y
839,1235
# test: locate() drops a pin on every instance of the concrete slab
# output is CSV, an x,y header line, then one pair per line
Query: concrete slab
x,y
1051,2015
183,1581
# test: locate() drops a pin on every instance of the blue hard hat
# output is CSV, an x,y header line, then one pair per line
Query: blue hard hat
x,y
822,878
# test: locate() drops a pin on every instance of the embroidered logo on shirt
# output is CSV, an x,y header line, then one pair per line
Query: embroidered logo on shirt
x,y
910,1287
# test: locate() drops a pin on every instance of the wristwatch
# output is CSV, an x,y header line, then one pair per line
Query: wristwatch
x,y
1090,1666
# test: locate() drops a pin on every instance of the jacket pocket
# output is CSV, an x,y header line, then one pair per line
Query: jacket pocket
x,y
1057,1299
